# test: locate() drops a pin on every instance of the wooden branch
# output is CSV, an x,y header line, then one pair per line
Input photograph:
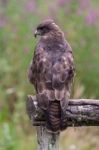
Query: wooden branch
x,y
80,112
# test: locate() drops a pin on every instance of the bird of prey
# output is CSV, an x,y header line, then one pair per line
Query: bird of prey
x,y
51,72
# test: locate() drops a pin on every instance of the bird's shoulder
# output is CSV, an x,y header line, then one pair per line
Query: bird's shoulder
x,y
62,55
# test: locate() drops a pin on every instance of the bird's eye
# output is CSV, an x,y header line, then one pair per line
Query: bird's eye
x,y
40,28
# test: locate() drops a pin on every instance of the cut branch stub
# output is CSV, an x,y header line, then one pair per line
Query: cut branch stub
x,y
35,114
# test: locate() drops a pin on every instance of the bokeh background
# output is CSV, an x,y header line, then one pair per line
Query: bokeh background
x,y
79,19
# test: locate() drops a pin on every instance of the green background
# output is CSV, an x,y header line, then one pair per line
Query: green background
x,y
79,20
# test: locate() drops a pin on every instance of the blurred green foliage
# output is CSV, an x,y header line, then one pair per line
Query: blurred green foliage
x,y
79,20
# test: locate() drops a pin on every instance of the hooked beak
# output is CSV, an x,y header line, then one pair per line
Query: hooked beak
x,y
36,33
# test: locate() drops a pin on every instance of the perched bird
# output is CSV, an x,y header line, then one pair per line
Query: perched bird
x,y
51,72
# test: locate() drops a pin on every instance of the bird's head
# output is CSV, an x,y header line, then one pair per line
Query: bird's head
x,y
46,27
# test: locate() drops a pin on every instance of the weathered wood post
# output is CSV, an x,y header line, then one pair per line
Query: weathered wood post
x,y
47,141
80,112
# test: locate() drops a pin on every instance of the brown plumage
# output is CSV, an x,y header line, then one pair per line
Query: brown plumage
x,y
51,72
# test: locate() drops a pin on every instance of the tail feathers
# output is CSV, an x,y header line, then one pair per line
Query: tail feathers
x,y
55,118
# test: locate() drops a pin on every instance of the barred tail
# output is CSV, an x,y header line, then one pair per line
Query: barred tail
x,y
53,116
56,119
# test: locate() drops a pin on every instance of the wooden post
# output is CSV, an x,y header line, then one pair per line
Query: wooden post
x,y
47,141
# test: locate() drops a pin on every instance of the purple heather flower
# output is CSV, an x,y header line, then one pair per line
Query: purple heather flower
x,y
91,17
63,2
84,4
31,5
2,22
